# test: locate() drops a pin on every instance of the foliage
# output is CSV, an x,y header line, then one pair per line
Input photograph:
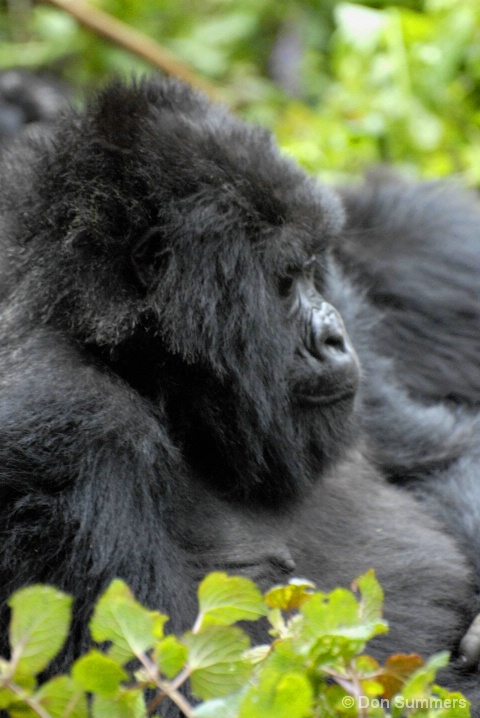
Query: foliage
x,y
313,666
342,84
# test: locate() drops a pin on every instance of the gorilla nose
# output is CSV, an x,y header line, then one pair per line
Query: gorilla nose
x,y
328,338
327,341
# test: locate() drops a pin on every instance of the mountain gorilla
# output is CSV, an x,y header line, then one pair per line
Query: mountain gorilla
x,y
417,249
179,394
414,248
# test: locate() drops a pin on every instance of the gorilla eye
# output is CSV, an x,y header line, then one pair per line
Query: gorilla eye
x,y
310,264
285,286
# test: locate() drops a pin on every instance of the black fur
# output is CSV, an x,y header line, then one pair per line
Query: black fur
x,y
27,98
151,372
416,249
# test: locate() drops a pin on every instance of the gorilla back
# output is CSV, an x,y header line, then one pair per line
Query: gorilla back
x,y
178,393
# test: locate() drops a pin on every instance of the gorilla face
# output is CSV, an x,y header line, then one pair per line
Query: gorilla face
x,y
271,387
325,370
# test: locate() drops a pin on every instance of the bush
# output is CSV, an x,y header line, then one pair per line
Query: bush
x,y
314,665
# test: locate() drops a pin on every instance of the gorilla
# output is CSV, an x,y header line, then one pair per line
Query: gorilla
x,y
27,99
192,378
416,249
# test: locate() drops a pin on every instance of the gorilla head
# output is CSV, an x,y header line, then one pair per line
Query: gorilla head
x,y
181,250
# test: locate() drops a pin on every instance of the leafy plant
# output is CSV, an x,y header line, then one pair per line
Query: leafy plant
x,y
343,85
313,666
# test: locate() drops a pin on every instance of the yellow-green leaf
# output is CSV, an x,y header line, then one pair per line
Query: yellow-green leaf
x,y
97,673
39,626
216,658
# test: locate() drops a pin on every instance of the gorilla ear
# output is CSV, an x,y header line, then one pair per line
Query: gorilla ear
x,y
149,257
118,112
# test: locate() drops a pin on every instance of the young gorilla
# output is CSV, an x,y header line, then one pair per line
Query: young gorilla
x,y
416,249
179,395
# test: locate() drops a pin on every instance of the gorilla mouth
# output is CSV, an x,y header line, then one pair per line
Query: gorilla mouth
x,y
322,399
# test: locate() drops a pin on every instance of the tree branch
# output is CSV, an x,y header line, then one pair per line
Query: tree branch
x,y
132,40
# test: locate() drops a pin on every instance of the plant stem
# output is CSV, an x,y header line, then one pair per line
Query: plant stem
x,y
132,40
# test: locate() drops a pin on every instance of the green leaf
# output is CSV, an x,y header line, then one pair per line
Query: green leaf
x,y
285,659
420,683
419,689
360,26
291,596
278,695
97,673
450,704
27,682
227,707
226,599
334,624
371,605
128,704
39,626
61,698
119,618
170,656
7,698
217,662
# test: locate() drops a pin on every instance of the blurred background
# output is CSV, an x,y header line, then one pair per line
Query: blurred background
x,y
343,85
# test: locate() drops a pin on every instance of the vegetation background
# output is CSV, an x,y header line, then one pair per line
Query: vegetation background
x,y
343,85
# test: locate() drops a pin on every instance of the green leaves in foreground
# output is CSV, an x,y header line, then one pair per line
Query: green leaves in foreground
x,y
225,600
120,619
314,665
39,626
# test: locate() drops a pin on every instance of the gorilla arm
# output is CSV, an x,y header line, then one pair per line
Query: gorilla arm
x,y
82,458
93,479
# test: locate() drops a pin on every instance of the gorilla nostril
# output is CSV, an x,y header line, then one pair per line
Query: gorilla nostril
x,y
335,342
